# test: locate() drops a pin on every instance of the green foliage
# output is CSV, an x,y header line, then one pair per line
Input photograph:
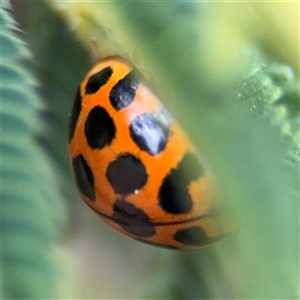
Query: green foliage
x,y
61,62
246,154
29,198
241,108
271,92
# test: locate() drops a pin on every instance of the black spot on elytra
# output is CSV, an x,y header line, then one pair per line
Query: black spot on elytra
x,y
132,219
123,93
126,174
99,128
99,79
173,194
195,236
150,132
84,177
157,244
74,114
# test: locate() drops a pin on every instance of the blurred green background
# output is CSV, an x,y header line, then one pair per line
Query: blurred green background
x,y
229,72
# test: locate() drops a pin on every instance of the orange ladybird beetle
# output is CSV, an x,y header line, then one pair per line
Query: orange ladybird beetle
x,y
133,164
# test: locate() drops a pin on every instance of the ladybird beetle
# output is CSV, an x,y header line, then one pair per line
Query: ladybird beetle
x,y
133,164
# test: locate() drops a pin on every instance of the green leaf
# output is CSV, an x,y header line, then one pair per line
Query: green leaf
x,y
61,65
246,154
29,197
271,92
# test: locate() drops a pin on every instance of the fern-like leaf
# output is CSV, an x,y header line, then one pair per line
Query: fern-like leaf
x,y
29,197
